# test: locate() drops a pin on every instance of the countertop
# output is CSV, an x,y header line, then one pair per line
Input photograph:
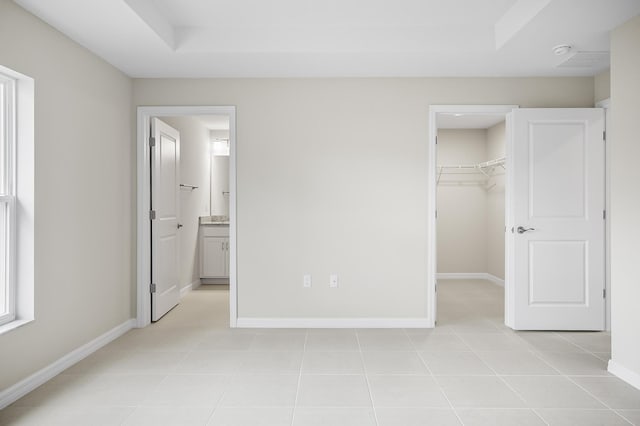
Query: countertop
x,y
214,220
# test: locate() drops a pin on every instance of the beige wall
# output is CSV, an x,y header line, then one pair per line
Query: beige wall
x,y
83,194
194,170
332,177
496,140
602,86
462,203
625,202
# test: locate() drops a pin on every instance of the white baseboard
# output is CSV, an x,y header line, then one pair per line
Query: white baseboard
x,y
624,373
334,323
470,276
187,288
20,389
216,281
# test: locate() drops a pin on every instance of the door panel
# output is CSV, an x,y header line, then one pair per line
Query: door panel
x,y
557,198
546,270
165,156
554,150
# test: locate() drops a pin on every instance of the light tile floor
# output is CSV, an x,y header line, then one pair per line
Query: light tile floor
x,y
191,369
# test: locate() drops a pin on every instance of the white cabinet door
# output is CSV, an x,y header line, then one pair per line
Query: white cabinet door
x,y
556,273
165,159
215,257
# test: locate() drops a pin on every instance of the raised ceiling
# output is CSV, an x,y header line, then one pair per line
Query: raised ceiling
x,y
339,38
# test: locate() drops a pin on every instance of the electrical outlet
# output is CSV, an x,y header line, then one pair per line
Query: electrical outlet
x,y
306,280
333,280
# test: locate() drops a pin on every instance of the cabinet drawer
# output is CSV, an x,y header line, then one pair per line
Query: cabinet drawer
x,y
215,230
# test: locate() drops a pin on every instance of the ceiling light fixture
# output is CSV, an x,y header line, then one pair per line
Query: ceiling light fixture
x,y
561,49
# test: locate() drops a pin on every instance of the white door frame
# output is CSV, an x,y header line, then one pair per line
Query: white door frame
x,y
606,105
434,110
143,251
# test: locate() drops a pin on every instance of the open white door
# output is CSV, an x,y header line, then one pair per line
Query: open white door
x,y
165,157
555,229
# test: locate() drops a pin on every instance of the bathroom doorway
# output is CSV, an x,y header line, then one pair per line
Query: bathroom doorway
x,y
187,189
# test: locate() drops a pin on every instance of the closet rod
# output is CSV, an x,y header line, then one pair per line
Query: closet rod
x,y
479,166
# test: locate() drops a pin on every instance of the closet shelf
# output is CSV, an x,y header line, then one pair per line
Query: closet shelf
x,y
486,168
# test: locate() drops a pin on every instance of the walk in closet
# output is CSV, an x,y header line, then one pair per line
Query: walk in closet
x,y
471,201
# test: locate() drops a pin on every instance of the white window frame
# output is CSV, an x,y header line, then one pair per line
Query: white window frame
x,y
8,196
18,197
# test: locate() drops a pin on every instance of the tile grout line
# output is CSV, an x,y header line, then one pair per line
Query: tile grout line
x,y
230,377
224,393
596,398
455,412
366,378
569,378
295,401
625,418
499,376
544,361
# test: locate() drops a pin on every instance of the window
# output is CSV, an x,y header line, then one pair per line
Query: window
x,y
7,199
16,199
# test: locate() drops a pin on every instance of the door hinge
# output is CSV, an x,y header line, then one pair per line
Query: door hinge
x,y
152,214
152,141
152,288
604,293
604,136
604,214
436,140
436,214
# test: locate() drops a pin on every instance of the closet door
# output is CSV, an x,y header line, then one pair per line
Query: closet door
x,y
556,226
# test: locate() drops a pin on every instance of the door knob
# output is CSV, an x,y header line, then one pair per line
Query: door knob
x,y
180,225
522,230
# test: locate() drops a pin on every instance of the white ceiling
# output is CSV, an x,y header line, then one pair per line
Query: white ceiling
x,y
214,122
338,38
468,121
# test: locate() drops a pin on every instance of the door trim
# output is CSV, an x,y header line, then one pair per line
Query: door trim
x,y
434,110
143,242
606,105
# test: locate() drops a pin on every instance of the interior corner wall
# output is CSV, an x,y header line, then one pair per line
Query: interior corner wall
x,y
84,195
496,146
194,170
625,203
461,203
